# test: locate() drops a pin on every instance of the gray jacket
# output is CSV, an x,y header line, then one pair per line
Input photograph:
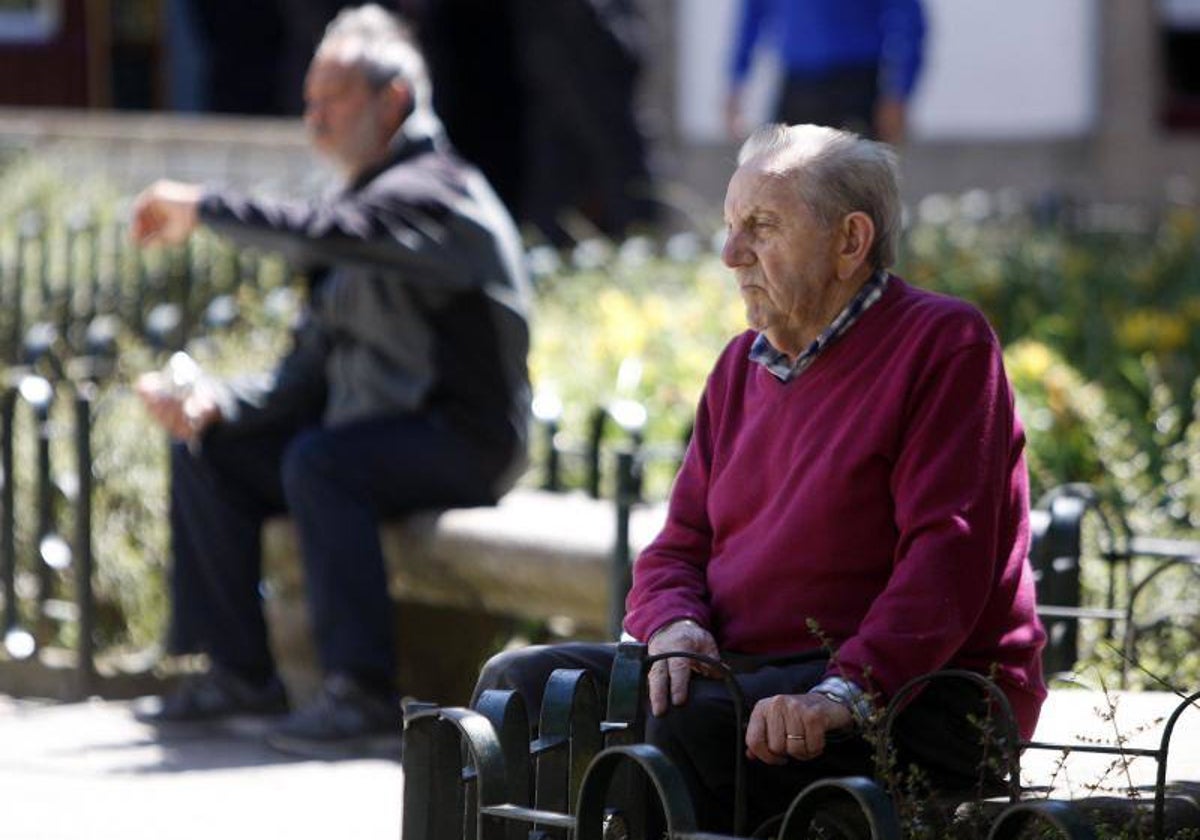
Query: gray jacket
x,y
418,301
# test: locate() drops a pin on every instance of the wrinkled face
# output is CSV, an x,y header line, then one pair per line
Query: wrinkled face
x,y
784,260
347,120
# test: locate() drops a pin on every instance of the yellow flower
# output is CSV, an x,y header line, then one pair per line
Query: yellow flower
x,y
1191,309
1183,222
1029,361
1153,329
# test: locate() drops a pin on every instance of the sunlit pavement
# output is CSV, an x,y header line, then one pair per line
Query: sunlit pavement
x,y
90,771
1131,719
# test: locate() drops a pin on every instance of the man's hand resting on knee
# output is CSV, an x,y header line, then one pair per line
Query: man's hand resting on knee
x,y
793,726
669,678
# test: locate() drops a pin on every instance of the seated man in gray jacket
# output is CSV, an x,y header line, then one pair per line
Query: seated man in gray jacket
x,y
406,389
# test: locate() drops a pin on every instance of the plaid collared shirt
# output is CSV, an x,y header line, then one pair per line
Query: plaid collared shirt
x,y
777,363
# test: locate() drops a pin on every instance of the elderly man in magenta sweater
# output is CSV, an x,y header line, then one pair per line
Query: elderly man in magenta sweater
x,y
852,511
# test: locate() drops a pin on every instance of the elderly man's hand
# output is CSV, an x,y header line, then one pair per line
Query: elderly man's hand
x,y
793,726
186,415
165,212
669,679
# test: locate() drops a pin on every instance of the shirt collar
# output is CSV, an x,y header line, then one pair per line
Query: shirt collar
x,y
762,352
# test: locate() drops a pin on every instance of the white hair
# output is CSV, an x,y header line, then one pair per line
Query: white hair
x,y
383,47
836,173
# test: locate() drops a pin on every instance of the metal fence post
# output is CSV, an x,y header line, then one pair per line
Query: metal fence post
x,y
85,603
8,522
622,571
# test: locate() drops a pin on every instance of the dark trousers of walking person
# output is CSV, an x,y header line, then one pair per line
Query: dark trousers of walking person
x,y
936,731
337,483
842,98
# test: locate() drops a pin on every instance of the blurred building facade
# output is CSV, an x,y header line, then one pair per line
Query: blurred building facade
x,y
1096,100
82,53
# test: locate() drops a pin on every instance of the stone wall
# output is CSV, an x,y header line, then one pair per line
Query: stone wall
x,y
131,149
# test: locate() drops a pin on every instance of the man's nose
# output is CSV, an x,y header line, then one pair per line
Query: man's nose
x,y
734,252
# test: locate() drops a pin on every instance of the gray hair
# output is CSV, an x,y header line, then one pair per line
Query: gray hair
x,y
383,47
836,173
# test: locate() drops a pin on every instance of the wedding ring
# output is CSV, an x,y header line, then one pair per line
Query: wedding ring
x,y
795,737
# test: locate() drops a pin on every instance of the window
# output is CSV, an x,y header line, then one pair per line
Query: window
x,y
1180,35
29,21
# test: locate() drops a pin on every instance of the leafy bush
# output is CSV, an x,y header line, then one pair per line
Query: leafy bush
x,y
1119,308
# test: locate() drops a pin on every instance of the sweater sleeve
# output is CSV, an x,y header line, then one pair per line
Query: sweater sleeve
x,y
749,26
670,577
950,486
903,44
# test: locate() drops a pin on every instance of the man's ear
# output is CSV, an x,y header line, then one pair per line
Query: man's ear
x,y
399,102
857,235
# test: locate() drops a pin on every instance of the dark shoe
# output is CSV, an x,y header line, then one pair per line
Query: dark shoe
x,y
214,695
344,721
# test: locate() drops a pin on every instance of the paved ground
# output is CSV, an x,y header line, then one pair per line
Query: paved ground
x,y
88,770
1137,718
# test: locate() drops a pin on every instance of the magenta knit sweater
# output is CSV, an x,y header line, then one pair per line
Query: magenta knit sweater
x,y
880,497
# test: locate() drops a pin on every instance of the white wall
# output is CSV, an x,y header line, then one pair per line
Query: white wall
x,y
1012,69
994,69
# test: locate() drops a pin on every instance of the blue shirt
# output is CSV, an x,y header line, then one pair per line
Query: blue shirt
x,y
816,36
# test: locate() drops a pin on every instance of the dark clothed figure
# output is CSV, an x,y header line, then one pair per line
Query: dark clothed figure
x,y
406,389
584,152
243,42
472,51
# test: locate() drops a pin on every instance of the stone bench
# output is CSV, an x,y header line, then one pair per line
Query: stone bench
x,y
468,580
465,579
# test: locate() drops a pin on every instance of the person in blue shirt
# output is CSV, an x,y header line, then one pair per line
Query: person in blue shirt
x,y
851,64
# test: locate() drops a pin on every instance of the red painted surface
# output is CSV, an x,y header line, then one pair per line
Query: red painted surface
x,y
51,73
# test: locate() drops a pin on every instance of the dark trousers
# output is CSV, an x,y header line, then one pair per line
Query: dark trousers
x,y
935,732
842,98
336,483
